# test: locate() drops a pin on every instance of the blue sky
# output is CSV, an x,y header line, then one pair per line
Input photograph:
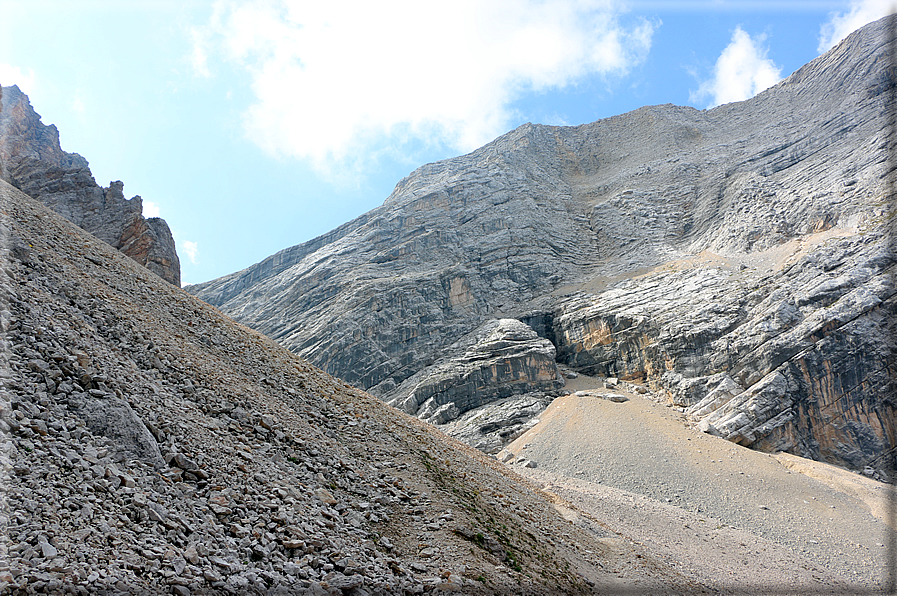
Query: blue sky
x,y
254,125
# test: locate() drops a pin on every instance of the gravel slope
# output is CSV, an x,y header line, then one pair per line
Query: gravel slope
x,y
714,496
150,445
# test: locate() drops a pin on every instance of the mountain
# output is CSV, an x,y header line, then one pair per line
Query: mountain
x,y
734,261
151,445
32,160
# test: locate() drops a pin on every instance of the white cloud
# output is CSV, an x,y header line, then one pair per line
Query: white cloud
x,y
150,209
741,72
191,250
78,105
334,80
13,75
861,12
199,58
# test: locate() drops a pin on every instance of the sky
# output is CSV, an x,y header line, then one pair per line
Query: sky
x,y
255,125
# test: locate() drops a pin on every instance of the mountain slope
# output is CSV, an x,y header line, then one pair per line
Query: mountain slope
x,y
735,260
153,445
32,160
144,453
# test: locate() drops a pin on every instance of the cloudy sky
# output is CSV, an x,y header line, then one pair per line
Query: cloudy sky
x,y
254,125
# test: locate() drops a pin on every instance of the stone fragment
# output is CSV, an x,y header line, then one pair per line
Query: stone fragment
x,y
325,496
191,555
48,551
338,581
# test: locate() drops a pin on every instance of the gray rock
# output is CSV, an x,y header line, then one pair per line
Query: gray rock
x,y
501,358
32,160
114,418
337,580
666,241
494,425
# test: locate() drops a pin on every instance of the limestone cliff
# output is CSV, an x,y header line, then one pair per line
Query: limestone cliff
x,y
32,160
736,260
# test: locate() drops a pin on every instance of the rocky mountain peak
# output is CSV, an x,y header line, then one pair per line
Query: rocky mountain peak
x,y
693,252
32,160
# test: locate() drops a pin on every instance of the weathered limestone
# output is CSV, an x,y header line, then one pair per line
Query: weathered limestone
x,y
32,160
501,359
668,246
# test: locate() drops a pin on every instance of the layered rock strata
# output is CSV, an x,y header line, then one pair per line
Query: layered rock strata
x,y
500,359
32,160
666,246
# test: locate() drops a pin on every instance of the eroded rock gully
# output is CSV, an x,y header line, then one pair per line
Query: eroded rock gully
x,y
32,160
736,261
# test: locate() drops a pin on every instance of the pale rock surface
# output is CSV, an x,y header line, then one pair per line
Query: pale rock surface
x,y
499,359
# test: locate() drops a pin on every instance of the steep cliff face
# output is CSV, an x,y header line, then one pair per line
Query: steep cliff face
x,y
735,260
32,160
503,358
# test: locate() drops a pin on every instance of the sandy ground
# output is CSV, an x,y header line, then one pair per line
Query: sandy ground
x,y
717,512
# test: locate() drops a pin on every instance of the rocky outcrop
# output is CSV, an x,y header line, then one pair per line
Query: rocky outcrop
x,y
717,256
502,358
32,160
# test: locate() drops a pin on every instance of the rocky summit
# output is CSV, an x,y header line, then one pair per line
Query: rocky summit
x,y
32,160
734,261
151,445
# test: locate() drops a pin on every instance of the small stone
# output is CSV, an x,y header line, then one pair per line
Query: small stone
x,y
191,555
157,513
183,462
211,575
48,550
326,496
215,560
339,581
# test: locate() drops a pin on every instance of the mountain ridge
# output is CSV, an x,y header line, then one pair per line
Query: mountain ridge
x,y
547,223
32,160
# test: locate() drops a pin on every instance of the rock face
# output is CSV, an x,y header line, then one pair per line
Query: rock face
x,y
735,260
32,160
501,358
143,454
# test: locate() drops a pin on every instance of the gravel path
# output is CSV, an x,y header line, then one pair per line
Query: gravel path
x,y
647,449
